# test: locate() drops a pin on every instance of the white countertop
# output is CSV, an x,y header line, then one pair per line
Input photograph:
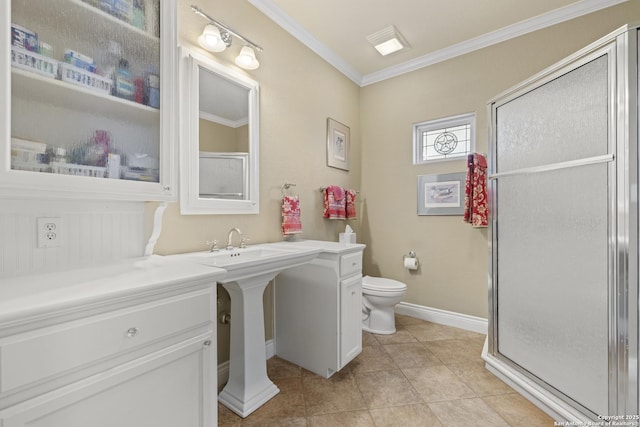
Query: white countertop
x,y
333,247
33,294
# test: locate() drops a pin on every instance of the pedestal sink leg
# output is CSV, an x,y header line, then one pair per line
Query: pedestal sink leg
x,y
248,387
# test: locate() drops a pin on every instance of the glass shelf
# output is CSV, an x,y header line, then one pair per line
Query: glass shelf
x,y
56,92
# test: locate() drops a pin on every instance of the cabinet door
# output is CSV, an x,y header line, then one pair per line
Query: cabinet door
x,y
90,103
165,389
350,319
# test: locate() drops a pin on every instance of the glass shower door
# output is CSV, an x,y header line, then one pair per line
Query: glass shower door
x,y
552,255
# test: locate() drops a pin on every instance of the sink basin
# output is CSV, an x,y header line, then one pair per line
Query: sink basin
x,y
249,271
255,260
238,257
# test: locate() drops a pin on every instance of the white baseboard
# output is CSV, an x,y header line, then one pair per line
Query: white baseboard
x,y
443,317
223,368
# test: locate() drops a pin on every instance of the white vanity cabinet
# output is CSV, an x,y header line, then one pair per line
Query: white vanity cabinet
x,y
135,349
89,93
318,308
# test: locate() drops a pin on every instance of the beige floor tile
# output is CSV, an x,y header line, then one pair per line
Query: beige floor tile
x,y
401,336
479,379
279,422
518,411
342,419
411,355
227,418
467,413
336,394
427,331
280,368
369,339
289,403
381,389
405,416
407,320
437,383
372,358
393,377
456,351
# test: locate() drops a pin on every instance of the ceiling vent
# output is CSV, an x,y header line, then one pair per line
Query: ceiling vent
x,y
388,40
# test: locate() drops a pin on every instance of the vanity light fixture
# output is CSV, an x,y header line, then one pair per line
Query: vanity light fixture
x,y
388,40
217,36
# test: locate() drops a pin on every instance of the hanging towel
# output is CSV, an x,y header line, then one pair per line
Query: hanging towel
x,y
291,223
476,210
334,203
350,196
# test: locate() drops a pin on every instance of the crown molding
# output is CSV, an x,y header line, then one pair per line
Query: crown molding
x,y
566,13
557,16
277,15
224,121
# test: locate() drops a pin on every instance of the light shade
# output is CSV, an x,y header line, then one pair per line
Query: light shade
x,y
388,40
211,39
247,59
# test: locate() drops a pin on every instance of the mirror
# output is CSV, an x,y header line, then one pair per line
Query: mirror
x,y
219,138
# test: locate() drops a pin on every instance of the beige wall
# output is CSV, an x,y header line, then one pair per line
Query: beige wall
x,y
454,256
218,138
299,91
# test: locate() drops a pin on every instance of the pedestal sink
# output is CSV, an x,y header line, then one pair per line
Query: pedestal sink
x,y
249,272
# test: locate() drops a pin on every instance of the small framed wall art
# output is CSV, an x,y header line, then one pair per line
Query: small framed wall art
x,y
441,194
338,141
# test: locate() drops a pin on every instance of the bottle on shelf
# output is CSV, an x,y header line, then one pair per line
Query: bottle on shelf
x,y
125,87
153,87
138,17
123,9
110,61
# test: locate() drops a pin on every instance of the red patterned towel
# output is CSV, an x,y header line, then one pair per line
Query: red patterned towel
x,y
334,203
476,210
351,203
291,223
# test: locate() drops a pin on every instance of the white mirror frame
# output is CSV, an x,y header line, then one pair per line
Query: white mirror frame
x,y
190,201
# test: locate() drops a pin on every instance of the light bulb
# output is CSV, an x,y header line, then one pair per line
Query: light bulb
x,y
211,39
247,59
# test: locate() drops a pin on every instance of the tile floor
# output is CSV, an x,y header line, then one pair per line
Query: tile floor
x,y
425,375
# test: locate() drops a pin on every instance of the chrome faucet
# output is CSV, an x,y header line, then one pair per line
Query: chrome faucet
x,y
214,245
242,240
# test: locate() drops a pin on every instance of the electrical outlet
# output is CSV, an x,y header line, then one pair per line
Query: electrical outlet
x,y
49,232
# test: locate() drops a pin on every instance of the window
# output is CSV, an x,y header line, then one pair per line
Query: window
x,y
444,139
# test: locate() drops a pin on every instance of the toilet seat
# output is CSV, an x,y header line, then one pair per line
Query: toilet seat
x,y
381,284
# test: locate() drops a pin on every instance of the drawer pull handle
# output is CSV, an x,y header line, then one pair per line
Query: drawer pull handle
x,y
132,332
207,343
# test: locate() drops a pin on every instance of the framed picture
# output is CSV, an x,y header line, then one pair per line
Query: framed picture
x,y
337,145
441,194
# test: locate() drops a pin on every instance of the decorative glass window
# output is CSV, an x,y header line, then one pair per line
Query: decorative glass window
x,y
444,139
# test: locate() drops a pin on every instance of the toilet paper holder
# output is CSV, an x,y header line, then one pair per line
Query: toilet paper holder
x,y
413,255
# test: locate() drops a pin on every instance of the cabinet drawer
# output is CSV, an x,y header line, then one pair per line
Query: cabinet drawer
x,y
38,354
350,264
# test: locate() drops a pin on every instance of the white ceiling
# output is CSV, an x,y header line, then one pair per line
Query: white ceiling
x,y
436,29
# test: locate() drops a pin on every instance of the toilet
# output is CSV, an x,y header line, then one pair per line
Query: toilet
x,y
379,297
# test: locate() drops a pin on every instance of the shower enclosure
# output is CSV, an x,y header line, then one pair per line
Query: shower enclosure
x,y
563,181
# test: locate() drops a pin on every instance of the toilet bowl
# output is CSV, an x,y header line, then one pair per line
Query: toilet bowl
x,y
379,296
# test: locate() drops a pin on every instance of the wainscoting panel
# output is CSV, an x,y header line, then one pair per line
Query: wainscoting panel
x,y
91,233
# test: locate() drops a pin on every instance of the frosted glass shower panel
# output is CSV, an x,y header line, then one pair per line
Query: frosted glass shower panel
x,y
552,269
559,121
85,88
